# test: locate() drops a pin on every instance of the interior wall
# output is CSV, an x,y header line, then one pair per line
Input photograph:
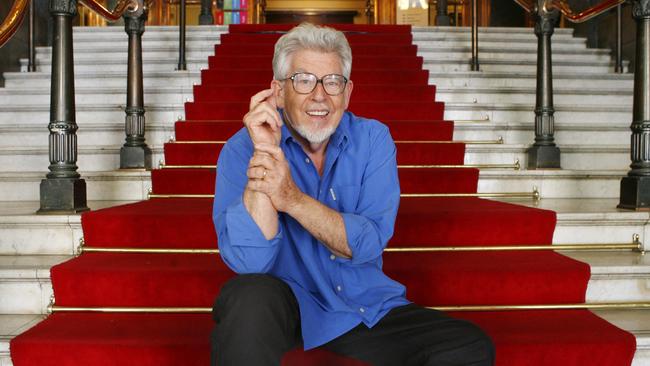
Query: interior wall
x,y
358,5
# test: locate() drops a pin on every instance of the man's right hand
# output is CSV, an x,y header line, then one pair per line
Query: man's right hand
x,y
263,120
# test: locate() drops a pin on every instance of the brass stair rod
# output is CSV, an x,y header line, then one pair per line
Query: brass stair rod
x,y
594,306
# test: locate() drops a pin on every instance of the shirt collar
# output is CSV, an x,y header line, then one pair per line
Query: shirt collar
x,y
339,138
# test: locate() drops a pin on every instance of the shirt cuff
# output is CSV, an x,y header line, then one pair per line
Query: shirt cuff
x,y
361,239
243,230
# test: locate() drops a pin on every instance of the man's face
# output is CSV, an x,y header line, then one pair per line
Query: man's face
x,y
314,116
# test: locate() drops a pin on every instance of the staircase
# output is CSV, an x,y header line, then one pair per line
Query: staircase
x,y
593,113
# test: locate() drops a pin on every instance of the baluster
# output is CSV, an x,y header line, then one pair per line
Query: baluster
x,y
63,190
474,61
619,43
206,17
635,187
544,153
31,66
135,153
442,18
182,65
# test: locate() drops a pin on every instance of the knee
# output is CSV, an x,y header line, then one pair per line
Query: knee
x,y
251,296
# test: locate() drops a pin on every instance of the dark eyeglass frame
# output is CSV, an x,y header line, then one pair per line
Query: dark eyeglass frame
x,y
293,82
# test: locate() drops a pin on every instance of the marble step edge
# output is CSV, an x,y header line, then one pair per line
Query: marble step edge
x,y
432,75
110,90
455,106
423,47
504,148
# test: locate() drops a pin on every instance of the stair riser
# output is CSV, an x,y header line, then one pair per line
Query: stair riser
x,y
449,82
181,79
110,136
618,288
97,160
25,296
181,95
527,136
528,96
582,230
168,113
39,237
569,160
479,112
553,187
463,65
166,66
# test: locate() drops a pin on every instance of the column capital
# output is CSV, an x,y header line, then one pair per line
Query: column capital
x,y
64,7
134,20
545,19
641,9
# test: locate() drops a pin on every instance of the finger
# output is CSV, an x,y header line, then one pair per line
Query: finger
x,y
261,114
274,151
263,161
258,185
256,172
260,97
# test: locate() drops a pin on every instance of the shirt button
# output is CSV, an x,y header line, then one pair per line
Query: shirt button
x,y
338,288
362,310
332,257
307,160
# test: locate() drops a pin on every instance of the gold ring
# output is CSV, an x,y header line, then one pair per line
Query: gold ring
x,y
264,174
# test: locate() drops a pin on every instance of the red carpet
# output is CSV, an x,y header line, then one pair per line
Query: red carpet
x,y
391,86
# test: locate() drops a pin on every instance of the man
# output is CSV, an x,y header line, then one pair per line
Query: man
x,y
305,203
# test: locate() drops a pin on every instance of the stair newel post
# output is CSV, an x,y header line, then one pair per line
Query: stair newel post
x,y
135,153
63,190
206,18
544,153
635,187
442,18
182,65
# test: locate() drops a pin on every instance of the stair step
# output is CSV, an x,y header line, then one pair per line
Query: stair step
x,y
10,326
638,323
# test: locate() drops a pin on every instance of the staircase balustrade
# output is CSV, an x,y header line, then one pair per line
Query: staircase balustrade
x,y
135,153
31,49
63,190
206,17
474,61
635,187
619,41
182,64
544,153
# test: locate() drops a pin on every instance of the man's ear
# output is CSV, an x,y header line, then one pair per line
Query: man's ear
x,y
278,92
348,92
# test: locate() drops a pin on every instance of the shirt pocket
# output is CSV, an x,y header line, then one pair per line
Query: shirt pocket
x,y
343,198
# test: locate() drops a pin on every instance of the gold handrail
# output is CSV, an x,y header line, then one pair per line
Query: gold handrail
x,y
116,14
13,20
588,13
568,13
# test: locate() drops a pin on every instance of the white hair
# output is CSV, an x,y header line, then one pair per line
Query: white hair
x,y
310,37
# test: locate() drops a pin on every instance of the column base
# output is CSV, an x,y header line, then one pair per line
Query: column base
x,y
442,20
635,193
134,157
63,196
543,157
206,19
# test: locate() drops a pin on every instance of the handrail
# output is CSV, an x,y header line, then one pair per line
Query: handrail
x,y
116,14
15,17
568,13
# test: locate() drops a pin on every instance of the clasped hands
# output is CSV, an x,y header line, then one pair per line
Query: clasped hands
x,y
268,170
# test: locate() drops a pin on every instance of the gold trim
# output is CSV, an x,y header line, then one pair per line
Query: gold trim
x,y
13,20
116,14
532,195
636,245
514,166
498,141
595,306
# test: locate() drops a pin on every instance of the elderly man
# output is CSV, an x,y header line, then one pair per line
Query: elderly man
x,y
306,199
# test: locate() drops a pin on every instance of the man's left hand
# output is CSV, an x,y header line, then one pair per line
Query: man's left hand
x,y
269,173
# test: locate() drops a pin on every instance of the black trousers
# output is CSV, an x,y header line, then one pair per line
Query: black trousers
x,y
258,320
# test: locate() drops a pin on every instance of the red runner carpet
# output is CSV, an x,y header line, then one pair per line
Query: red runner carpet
x,y
391,86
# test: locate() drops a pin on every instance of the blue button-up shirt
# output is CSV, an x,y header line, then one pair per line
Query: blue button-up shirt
x,y
360,182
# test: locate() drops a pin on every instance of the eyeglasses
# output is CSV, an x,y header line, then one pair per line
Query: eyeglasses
x,y
305,83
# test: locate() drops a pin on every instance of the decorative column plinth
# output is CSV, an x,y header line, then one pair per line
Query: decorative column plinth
x,y
135,154
635,187
442,18
206,18
544,154
63,190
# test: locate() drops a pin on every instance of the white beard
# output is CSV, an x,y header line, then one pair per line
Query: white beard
x,y
315,137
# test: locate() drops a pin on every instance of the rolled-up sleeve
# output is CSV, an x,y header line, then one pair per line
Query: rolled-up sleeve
x,y
369,228
242,244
